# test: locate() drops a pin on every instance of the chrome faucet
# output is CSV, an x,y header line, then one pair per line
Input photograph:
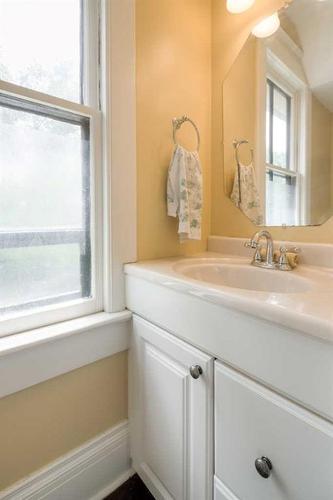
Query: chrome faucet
x,y
266,259
259,260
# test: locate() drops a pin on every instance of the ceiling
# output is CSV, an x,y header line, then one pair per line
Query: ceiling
x,y
313,21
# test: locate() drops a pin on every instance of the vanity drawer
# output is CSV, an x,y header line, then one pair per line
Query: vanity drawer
x,y
253,422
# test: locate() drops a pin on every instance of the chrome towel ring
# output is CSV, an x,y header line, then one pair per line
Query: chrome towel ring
x,y
178,122
236,145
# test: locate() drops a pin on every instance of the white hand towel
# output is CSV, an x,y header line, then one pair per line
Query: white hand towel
x,y
247,199
184,192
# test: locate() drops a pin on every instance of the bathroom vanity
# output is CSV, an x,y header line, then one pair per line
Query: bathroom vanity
x,y
231,391
231,376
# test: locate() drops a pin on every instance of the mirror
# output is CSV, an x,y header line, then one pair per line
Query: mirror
x,y
278,120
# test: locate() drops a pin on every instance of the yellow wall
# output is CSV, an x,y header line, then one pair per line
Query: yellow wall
x,y
176,75
173,66
173,69
239,110
42,423
332,158
290,28
229,35
320,161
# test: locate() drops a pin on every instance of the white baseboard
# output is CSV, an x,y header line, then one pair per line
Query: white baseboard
x,y
89,472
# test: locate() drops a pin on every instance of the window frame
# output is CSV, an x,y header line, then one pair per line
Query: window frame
x,y
33,356
62,311
276,58
118,104
289,135
283,83
291,171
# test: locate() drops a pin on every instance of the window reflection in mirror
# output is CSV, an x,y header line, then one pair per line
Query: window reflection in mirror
x,y
279,97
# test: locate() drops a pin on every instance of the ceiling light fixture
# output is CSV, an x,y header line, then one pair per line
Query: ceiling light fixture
x,y
238,6
267,26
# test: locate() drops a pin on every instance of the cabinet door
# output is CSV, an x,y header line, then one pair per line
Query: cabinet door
x,y
171,414
252,422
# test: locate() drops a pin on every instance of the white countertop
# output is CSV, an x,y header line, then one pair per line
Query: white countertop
x,y
310,312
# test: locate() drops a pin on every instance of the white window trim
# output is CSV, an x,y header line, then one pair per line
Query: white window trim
x,y
275,68
40,354
25,320
272,73
115,189
29,358
118,98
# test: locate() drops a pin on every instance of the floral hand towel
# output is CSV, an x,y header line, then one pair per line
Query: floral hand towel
x,y
184,192
245,194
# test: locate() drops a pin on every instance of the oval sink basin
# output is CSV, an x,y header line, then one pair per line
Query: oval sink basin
x,y
246,277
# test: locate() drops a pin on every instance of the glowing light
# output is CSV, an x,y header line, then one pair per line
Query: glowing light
x,y
238,6
267,26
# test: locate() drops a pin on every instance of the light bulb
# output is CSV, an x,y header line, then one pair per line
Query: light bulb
x,y
238,6
267,26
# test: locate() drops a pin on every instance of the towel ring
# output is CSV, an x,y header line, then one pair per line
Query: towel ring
x,y
178,122
236,145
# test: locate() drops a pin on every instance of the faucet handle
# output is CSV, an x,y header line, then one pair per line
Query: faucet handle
x,y
284,263
285,250
257,246
251,244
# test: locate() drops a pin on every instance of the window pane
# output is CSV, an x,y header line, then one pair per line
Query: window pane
x,y
40,45
42,274
281,117
280,199
44,205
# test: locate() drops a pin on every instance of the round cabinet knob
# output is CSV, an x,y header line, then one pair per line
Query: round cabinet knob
x,y
195,371
264,466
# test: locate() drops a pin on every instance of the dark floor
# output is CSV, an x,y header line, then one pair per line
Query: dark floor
x,y
133,489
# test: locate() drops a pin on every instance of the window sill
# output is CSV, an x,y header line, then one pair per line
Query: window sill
x,y
32,357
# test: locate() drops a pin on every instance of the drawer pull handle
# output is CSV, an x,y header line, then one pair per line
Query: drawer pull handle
x,y
195,371
264,466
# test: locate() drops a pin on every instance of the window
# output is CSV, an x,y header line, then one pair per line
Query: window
x,y
278,126
40,45
281,167
49,169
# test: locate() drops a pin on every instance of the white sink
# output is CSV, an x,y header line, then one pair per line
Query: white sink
x,y
299,300
225,272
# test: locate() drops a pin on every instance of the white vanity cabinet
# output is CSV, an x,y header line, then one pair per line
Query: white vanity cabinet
x,y
202,430
171,414
253,422
272,388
